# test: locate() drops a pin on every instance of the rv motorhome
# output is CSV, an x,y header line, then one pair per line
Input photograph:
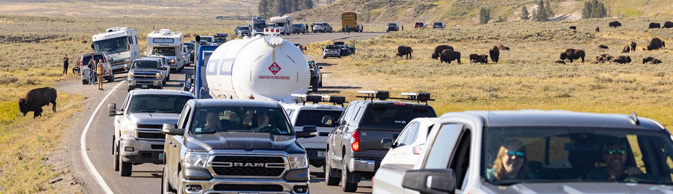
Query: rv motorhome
x,y
120,44
168,44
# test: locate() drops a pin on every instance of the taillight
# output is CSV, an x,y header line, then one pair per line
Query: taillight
x,y
325,50
418,149
105,58
355,141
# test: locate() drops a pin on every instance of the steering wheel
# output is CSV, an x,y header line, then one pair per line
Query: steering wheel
x,y
270,129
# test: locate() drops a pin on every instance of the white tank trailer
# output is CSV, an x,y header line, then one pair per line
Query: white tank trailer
x,y
261,67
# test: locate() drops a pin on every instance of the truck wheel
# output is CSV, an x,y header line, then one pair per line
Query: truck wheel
x,y
163,82
165,185
85,82
125,168
116,155
345,185
329,178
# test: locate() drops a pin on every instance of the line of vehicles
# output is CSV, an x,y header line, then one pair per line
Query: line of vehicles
x,y
212,138
350,22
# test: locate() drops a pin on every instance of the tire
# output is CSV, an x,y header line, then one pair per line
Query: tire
x,y
168,77
324,57
125,168
115,150
345,185
163,82
329,180
165,185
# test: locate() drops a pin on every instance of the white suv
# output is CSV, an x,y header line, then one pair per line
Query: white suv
x,y
409,145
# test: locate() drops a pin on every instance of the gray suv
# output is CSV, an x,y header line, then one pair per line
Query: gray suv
x,y
147,72
137,137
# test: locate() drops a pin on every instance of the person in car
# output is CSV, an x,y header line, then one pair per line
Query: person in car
x,y
212,123
262,120
510,163
615,156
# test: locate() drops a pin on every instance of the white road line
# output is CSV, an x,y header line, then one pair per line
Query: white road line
x,y
85,156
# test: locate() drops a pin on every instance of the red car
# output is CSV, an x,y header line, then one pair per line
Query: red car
x,y
419,25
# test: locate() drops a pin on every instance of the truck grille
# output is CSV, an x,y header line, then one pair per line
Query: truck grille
x,y
150,126
227,187
248,165
144,75
150,135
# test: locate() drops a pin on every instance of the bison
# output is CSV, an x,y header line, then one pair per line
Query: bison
x,y
655,44
439,49
476,58
668,24
614,24
37,98
572,54
560,62
626,49
602,46
404,50
502,47
651,59
495,54
622,59
655,25
449,55
633,47
573,27
604,58
598,29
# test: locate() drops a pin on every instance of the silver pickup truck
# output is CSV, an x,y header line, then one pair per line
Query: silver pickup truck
x,y
137,124
148,73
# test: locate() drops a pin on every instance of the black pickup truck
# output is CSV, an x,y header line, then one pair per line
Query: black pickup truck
x,y
354,148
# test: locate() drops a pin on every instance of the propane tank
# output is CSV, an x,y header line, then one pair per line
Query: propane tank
x,y
266,67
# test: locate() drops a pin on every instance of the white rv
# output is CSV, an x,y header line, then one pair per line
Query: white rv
x,y
282,22
258,26
168,44
120,44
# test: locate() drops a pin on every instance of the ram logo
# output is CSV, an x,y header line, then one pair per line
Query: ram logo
x,y
257,165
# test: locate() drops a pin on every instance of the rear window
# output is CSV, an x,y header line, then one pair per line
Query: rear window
x,y
394,115
319,118
85,59
332,47
244,28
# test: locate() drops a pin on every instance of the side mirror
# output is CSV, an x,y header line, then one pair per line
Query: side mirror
x,y
308,131
430,180
171,129
110,59
112,109
387,143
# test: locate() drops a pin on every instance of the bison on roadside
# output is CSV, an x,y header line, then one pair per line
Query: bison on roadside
x,y
37,98
614,24
495,54
655,44
651,59
439,49
655,25
668,24
404,50
449,55
572,54
622,59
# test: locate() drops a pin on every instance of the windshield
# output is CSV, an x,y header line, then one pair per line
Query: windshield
x,y
110,46
157,103
190,47
392,24
259,25
240,119
146,64
207,38
331,47
394,115
244,28
85,59
165,51
319,118
575,154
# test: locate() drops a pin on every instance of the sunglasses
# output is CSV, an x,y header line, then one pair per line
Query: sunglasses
x,y
615,151
515,153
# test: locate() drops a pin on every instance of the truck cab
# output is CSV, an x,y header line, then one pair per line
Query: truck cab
x,y
234,146
148,72
167,43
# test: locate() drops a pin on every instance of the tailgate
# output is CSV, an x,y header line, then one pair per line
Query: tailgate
x,y
370,139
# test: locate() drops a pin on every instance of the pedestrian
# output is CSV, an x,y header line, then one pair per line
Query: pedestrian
x,y
312,29
402,27
75,68
65,64
100,70
345,28
306,25
91,66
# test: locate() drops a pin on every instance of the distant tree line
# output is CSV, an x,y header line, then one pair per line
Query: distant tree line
x,y
543,12
484,15
594,9
268,8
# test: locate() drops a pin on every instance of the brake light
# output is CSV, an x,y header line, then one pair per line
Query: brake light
x,y
418,149
399,104
105,58
355,141
325,50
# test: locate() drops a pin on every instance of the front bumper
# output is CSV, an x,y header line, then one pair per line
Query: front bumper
x,y
316,157
331,55
145,83
236,186
361,165
141,151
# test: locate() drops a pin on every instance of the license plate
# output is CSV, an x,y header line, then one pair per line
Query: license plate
x,y
161,156
144,86
321,153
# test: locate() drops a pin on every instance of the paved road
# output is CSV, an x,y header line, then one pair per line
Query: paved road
x,y
146,177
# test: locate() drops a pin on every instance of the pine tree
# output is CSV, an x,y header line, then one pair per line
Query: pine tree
x,y
543,12
263,8
524,13
309,4
484,15
594,9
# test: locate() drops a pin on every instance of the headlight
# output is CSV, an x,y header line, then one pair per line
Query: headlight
x,y
158,75
298,161
129,130
130,74
196,159
127,61
172,61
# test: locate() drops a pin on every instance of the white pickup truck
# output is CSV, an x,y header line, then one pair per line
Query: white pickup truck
x,y
535,151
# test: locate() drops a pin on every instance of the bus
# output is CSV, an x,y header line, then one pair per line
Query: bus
x,y
352,20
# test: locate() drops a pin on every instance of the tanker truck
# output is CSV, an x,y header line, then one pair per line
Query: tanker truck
x,y
260,67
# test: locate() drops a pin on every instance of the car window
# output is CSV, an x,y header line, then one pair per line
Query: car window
x,y
403,139
440,150
182,121
158,103
319,118
413,133
394,115
165,51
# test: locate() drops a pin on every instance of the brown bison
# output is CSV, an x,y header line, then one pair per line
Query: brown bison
x,y
604,58
37,98
626,49
602,47
572,54
476,58
655,25
502,48
622,59
404,50
651,59
614,24
668,24
633,47
656,44
449,55
495,54
598,29
573,27
439,49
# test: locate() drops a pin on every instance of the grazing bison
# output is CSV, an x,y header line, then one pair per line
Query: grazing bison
x,y
651,59
573,27
614,24
622,59
476,58
495,54
655,44
668,24
626,49
37,98
449,55
572,54
439,49
598,29
604,58
404,50
633,47
502,47
602,46
655,25
560,62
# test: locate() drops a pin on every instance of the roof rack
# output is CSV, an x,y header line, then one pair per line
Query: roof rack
x,y
383,95
315,99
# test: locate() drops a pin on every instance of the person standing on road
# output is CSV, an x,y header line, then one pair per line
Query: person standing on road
x,y
306,25
65,64
346,29
100,70
91,65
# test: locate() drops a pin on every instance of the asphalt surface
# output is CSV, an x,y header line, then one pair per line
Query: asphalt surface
x,y
146,178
